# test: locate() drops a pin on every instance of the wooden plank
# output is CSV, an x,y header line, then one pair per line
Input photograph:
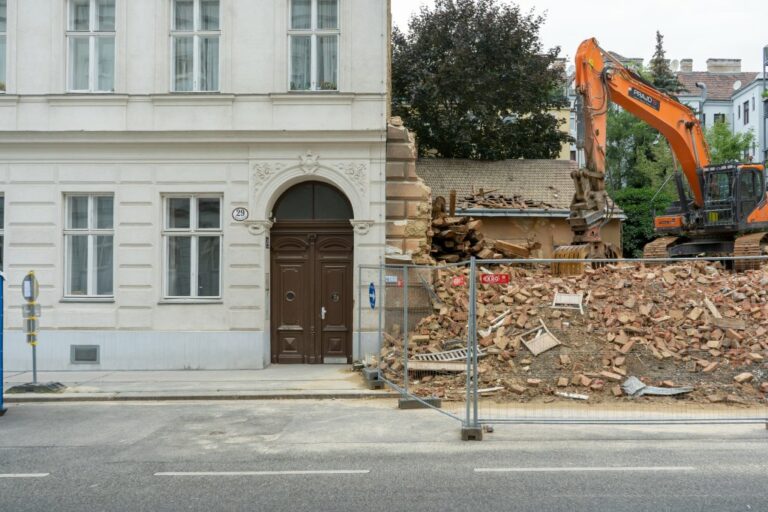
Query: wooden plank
x,y
730,323
437,366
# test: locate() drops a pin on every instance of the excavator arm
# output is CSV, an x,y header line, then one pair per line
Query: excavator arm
x,y
600,80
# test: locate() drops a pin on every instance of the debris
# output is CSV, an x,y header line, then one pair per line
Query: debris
x,y
569,301
539,340
744,377
574,396
635,388
450,355
436,366
486,391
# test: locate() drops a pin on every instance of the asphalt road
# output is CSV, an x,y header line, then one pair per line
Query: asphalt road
x,y
362,456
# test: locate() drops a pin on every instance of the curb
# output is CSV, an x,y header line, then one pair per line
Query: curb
x,y
128,397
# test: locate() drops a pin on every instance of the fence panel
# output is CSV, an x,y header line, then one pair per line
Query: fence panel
x,y
412,358
626,341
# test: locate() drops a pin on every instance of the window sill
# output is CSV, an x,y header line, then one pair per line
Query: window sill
x,y
97,300
164,302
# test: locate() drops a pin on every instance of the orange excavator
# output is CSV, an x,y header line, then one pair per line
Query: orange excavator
x,y
723,211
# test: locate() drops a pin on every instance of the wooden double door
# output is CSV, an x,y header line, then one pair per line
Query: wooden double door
x,y
311,292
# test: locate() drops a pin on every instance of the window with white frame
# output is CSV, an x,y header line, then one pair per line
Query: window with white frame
x,y
3,38
195,33
313,41
89,242
192,233
2,230
91,43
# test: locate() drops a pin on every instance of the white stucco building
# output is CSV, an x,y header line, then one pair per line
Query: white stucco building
x,y
131,131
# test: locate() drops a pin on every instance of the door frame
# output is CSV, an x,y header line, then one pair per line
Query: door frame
x,y
340,228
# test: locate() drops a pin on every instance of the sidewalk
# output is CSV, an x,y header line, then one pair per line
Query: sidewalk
x,y
275,382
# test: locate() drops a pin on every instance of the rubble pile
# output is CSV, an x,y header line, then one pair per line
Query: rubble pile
x,y
500,201
694,325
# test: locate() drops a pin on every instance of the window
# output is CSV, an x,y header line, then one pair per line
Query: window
x,y
91,43
753,103
704,120
314,45
746,112
192,235
2,230
719,118
739,111
89,242
195,37
312,201
3,37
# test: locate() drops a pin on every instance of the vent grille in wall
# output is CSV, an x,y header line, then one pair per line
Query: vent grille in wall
x,y
84,354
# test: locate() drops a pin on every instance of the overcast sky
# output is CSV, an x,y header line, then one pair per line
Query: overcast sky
x,y
697,29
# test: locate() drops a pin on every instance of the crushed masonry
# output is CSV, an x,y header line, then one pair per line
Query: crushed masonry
x,y
663,324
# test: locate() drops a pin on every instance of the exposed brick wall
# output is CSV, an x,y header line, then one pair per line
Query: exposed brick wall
x,y
409,199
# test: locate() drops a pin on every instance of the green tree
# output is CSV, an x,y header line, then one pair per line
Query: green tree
x,y
662,76
726,146
639,207
472,80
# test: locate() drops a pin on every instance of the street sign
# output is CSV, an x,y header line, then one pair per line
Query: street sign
x,y
372,295
240,214
30,310
30,289
458,281
494,278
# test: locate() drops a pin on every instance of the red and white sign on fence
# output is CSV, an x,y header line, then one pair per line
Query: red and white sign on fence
x,y
494,278
458,281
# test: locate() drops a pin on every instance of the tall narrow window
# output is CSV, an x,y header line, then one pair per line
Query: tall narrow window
x,y
193,234
89,240
91,42
2,230
195,33
746,112
313,40
3,38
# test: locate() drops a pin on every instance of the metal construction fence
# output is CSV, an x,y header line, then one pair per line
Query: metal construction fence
x,y
620,341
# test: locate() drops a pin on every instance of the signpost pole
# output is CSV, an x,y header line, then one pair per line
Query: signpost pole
x,y
2,329
30,289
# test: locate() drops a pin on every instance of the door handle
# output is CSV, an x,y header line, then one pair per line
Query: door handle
x,y
323,311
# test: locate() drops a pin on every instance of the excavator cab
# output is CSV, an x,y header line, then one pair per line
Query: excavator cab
x,y
732,193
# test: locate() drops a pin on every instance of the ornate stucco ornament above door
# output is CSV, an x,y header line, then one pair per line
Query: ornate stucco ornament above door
x,y
270,178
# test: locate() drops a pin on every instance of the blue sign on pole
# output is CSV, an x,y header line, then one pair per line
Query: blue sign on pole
x,y
372,295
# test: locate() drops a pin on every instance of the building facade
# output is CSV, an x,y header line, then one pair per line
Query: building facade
x,y
192,181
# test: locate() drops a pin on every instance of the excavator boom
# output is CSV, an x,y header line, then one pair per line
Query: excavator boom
x,y
601,79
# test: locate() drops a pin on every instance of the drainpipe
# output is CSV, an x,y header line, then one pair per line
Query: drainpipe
x,y
765,105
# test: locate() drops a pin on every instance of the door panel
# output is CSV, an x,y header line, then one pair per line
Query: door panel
x,y
334,297
293,301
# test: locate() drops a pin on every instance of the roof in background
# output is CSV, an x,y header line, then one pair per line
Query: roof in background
x,y
719,85
545,181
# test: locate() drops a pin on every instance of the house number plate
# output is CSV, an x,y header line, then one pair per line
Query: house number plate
x,y
240,214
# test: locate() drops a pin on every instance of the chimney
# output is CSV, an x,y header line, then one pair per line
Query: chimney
x,y
686,65
724,65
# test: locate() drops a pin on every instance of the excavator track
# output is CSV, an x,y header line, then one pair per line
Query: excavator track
x,y
659,248
748,245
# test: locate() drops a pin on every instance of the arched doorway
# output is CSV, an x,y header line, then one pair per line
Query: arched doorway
x,y
311,286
